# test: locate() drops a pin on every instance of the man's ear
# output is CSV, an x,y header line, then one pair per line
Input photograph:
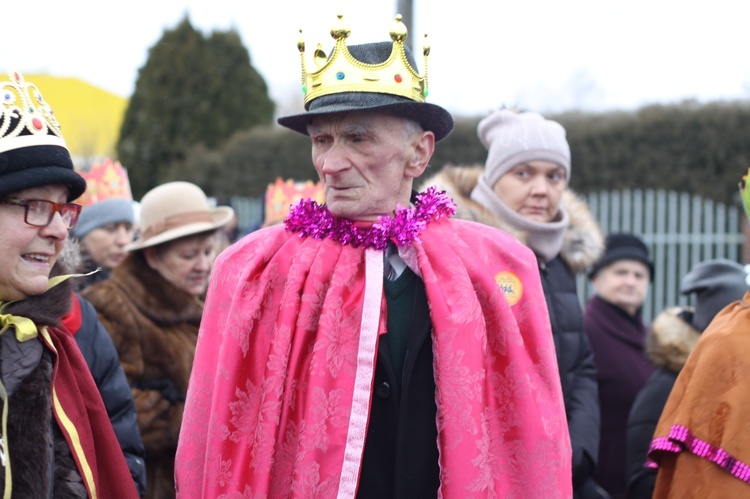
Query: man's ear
x,y
424,146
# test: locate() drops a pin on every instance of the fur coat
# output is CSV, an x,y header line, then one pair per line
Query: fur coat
x,y
154,327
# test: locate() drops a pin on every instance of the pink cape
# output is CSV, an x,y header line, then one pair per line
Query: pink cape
x,y
280,390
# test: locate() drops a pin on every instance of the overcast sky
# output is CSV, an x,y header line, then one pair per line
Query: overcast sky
x,y
546,55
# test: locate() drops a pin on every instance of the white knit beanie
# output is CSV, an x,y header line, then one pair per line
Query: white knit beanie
x,y
513,138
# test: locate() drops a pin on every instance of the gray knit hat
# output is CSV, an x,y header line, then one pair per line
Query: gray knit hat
x,y
716,284
513,138
109,211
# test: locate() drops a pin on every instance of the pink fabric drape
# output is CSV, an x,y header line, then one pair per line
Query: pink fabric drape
x,y
285,359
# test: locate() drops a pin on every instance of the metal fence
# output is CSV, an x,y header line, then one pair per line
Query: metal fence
x,y
249,212
680,230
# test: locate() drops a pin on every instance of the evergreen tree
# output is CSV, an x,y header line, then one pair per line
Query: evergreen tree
x,y
192,90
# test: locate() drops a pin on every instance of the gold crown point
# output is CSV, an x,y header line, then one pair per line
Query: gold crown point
x,y
398,31
300,42
319,56
340,30
426,46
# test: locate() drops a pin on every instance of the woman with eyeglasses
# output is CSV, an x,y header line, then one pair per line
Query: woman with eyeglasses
x,y
55,436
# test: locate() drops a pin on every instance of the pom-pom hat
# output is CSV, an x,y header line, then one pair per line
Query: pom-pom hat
x,y
513,138
174,210
33,152
368,77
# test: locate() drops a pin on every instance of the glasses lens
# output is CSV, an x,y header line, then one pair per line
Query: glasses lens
x,y
39,212
69,213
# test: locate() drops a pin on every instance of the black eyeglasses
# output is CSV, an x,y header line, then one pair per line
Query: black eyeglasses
x,y
39,212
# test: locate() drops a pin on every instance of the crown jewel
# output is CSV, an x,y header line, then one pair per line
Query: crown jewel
x,y
25,117
342,72
105,180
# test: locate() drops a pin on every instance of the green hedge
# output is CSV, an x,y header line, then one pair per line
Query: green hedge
x,y
698,148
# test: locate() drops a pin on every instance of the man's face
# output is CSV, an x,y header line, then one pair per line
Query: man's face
x,y
623,283
367,161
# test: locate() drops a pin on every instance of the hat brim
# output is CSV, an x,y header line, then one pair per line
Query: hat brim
x,y
41,176
429,116
220,216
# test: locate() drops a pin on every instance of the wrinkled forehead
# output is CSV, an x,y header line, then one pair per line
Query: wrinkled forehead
x,y
353,120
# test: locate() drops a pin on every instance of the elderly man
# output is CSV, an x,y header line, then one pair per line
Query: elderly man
x,y
373,347
613,323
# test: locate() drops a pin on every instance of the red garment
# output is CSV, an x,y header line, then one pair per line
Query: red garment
x,y
279,395
82,418
72,320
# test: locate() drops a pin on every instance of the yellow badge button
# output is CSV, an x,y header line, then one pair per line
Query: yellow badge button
x,y
511,286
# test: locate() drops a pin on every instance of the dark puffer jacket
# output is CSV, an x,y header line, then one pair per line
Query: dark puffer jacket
x,y
582,246
669,343
100,355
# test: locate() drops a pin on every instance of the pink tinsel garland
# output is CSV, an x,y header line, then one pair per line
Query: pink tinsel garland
x,y
309,218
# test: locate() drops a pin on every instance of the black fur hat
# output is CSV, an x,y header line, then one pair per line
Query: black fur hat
x,y
32,150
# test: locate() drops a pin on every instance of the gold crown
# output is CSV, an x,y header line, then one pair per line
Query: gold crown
x,y
25,117
105,180
341,72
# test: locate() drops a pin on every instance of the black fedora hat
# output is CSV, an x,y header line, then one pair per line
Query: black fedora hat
x,y
429,116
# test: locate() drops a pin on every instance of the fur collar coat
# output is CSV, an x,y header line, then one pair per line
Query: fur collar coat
x,y
582,243
41,460
671,338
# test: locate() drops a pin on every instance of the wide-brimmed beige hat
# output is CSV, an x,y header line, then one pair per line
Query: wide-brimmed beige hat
x,y
174,210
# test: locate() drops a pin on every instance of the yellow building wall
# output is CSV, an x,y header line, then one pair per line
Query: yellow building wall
x,y
90,117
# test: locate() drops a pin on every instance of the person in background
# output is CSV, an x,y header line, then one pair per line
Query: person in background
x,y
673,335
57,439
523,189
105,226
613,323
151,306
374,347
